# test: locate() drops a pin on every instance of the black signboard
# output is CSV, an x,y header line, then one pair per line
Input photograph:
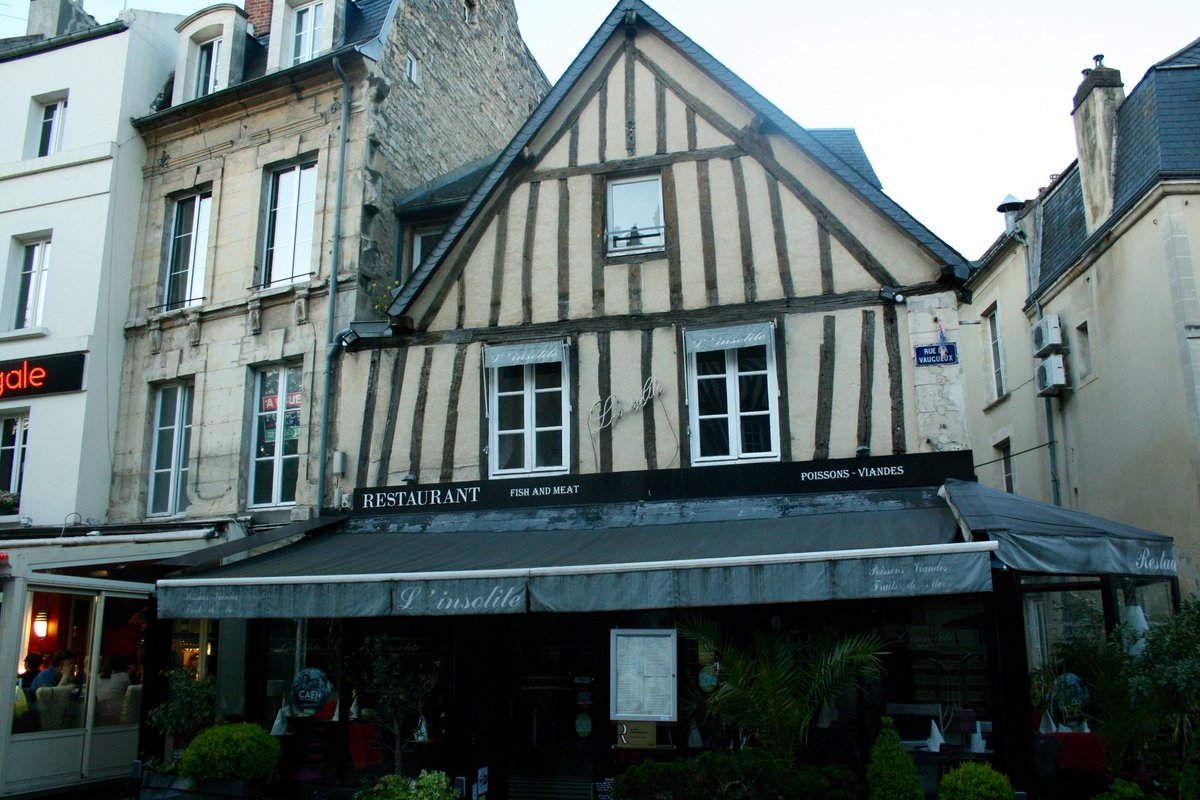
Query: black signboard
x,y
39,375
737,480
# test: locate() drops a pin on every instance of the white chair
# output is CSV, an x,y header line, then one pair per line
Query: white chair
x,y
52,703
131,711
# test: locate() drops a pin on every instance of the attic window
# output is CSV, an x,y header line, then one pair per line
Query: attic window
x,y
306,32
208,65
635,216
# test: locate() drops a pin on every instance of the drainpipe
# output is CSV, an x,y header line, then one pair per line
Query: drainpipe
x,y
1035,272
331,346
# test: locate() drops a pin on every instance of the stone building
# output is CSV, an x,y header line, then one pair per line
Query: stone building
x,y
1083,369
265,226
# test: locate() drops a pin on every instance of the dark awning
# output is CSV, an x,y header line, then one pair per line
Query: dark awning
x,y
1039,537
883,552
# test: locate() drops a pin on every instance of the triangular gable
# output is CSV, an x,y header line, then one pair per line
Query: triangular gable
x,y
584,66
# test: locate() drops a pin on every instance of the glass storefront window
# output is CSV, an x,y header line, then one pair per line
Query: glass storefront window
x,y
52,673
119,676
1063,629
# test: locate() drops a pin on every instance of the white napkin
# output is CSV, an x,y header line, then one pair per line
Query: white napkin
x,y
935,740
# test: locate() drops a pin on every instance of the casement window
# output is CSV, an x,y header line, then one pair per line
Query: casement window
x,y
528,408
991,326
30,296
169,450
733,406
14,436
208,66
290,220
184,285
275,463
423,241
635,216
306,32
1005,462
412,68
52,120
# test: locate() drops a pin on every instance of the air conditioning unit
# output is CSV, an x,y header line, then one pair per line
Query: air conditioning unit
x,y
1050,376
1047,335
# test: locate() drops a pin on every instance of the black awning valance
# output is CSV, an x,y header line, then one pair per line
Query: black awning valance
x,y
1039,537
888,552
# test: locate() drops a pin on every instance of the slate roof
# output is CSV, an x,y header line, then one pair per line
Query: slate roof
x,y
821,150
367,23
21,46
447,192
1158,138
844,144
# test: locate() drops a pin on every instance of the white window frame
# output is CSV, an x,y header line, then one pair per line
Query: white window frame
x,y
1008,480
207,81
291,219
306,31
729,341
174,433
275,411
621,240
994,343
527,358
51,122
17,427
412,68
29,296
188,254
423,241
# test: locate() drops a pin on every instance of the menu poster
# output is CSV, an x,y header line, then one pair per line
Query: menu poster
x,y
642,675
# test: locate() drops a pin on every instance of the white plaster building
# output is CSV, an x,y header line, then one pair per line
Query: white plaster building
x,y
70,173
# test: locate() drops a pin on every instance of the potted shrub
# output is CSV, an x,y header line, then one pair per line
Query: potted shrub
x,y
974,781
230,761
426,786
190,707
891,773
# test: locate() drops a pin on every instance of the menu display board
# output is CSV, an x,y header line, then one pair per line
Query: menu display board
x,y
643,675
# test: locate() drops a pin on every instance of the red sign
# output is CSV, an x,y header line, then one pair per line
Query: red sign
x,y
41,375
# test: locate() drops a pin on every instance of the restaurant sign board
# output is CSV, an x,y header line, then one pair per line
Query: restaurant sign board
x,y
742,480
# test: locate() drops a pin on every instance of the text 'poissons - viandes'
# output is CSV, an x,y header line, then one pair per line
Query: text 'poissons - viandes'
x,y
860,472
421,497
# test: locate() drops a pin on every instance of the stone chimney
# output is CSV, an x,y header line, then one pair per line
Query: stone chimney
x,y
50,18
258,14
1096,102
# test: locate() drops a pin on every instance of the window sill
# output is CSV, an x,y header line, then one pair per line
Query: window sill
x,y
636,257
505,476
278,289
23,333
996,402
711,462
10,520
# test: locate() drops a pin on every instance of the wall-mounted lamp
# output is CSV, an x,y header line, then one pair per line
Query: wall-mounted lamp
x,y
410,479
41,624
888,293
349,338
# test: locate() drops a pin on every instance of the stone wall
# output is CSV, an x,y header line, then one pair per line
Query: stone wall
x,y
476,85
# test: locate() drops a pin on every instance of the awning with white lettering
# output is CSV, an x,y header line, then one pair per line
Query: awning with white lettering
x,y
1044,538
383,566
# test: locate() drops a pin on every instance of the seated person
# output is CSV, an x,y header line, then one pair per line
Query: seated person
x,y
111,685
